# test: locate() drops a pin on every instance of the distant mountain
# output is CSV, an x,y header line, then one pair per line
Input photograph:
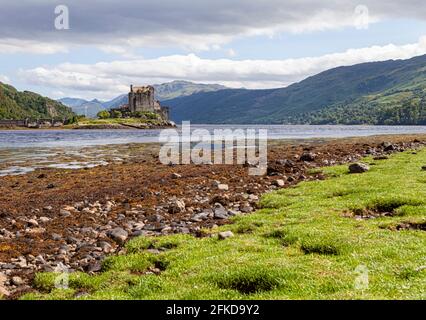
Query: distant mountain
x,y
83,107
19,105
180,88
162,92
389,92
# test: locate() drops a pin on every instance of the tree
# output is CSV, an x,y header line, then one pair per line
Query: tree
x,y
103,114
116,114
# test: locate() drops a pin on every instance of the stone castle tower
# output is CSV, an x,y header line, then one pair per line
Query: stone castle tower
x,y
142,99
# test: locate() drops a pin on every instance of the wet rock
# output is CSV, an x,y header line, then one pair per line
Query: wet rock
x,y
308,157
176,206
225,235
220,212
119,235
358,168
387,146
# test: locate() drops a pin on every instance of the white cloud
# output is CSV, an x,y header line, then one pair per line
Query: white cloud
x,y
11,46
108,79
231,53
194,25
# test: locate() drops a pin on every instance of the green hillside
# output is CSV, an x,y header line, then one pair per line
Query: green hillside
x,y
390,92
20,105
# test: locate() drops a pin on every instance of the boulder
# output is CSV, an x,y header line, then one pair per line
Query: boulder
x,y
358,168
220,212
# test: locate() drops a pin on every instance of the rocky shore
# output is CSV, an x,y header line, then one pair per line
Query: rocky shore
x,y
70,220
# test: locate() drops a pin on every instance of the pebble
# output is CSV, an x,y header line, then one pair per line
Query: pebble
x,y
279,183
119,235
44,219
223,187
308,157
64,213
33,223
17,281
225,235
176,206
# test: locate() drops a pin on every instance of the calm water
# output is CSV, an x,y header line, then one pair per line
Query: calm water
x,y
84,138
27,150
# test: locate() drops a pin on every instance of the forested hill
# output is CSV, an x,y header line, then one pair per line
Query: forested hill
x,y
21,105
389,92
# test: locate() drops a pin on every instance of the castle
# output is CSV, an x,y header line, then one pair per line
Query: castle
x,y
141,99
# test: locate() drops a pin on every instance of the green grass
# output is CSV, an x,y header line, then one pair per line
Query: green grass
x,y
116,121
301,245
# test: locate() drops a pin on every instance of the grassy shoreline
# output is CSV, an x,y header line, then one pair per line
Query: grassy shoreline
x,y
305,243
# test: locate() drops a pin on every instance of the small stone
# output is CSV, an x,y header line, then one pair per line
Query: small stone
x,y
176,176
223,187
94,267
17,281
246,208
176,206
56,237
50,186
44,219
225,235
33,223
358,168
390,148
118,235
308,157
154,218
279,183
64,213
105,246
381,158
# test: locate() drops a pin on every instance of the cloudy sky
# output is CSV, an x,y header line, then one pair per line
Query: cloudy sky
x,y
238,43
